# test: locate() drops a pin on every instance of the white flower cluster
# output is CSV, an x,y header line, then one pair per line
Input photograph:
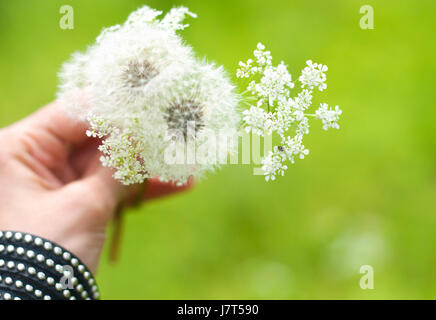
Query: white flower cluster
x,y
139,82
329,117
313,76
275,111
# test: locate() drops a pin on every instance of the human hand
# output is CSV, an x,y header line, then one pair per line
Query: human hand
x,y
53,185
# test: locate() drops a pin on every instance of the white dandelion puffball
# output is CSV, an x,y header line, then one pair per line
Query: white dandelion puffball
x,y
142,90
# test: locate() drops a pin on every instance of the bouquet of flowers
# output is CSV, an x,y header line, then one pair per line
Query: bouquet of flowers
x,y
142,89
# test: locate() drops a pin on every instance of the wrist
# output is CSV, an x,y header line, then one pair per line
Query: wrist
x,y
35,268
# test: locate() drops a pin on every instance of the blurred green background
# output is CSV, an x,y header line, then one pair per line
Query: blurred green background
x,y
366,194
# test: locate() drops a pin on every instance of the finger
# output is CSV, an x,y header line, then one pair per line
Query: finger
x,y
157,189
49,136
152,189
54,119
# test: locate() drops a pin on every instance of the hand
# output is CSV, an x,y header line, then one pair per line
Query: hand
x,y
53,185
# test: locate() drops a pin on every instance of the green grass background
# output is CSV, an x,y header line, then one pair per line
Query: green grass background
x,y
366,194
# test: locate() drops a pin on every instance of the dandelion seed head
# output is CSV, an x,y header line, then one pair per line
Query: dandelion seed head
x,y
138,74
179,114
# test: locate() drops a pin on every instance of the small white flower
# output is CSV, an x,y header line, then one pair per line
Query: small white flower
x,y
274,84
245,69
294,147
262,57
328,116
254,120
314,76
272,164
303,100
283,118
303,126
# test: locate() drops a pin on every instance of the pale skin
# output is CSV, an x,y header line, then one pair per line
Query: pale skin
x,y
53,185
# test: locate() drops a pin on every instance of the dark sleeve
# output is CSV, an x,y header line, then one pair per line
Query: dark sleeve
x,y
33,268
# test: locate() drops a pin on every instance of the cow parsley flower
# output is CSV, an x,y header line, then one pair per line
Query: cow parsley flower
x,y
275,111
255,119
328,116
314,76
273,164
142,84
